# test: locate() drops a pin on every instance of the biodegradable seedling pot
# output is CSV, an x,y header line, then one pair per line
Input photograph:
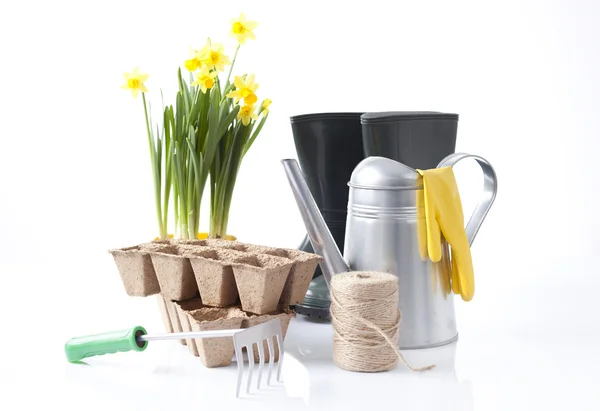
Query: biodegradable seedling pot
x,y
227,244
260,279
174,317
188,243
173,271
206,242
301,273
181,308
214,275
216,352
164,313
285,316
136,271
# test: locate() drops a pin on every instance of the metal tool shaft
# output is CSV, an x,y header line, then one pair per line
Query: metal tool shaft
x,y
193,334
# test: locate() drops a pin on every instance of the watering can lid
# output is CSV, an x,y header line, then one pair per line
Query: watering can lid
x,y
384,173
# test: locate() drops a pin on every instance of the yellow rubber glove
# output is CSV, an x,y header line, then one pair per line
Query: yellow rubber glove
x,y
444,216
421,222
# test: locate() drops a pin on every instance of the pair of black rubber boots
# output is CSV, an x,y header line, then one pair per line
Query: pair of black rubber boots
x,y
330,145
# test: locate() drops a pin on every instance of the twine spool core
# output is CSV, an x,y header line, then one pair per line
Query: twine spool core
x,y
366,319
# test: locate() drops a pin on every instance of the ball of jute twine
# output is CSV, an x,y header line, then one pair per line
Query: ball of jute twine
x,y
365,319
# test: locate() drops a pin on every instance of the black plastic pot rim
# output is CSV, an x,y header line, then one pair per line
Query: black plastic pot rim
x,y
326,116
396,116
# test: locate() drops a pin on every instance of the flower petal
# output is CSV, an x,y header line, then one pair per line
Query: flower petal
x,y
250,25
239,82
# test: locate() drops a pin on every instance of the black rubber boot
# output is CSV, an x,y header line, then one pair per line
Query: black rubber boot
x,y
329,146
419,139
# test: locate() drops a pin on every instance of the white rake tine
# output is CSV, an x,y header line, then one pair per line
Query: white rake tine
x,y
239,355
271,358
250,351
256,335
280,346
261,357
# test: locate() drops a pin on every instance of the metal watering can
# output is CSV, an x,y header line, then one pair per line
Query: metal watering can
x,y
382,235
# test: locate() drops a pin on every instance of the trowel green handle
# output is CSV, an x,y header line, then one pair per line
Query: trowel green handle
x,y
79,348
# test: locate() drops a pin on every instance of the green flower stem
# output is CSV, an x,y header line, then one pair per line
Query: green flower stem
x,y
225,178
190,199
167,170
200,122
231,68
183,212
222,229
155,173
176,208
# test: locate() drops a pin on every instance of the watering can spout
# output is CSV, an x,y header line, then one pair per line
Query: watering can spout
x,y
318,233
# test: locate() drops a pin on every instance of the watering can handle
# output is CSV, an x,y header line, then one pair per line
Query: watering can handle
x,y
490,187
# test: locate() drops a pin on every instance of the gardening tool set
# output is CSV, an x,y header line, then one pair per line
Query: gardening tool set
x,y
378,186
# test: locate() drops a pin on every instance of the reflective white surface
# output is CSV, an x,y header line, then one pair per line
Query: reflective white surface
x,y
487,375
532,354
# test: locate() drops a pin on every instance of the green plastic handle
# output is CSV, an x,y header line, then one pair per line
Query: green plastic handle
x,y
79,348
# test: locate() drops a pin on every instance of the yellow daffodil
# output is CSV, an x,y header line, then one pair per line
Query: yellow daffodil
x,y
213,56
194,62
246,114
135,82
265,105
244,89
250,99
241,29
205,79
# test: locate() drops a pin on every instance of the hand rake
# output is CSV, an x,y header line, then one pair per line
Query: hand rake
x,y
136,339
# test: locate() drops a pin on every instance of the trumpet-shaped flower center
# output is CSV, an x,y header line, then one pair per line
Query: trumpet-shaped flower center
x,y
133,83
239,28
249,97
215,57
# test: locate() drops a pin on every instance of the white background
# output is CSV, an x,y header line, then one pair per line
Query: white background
x,y
75,173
